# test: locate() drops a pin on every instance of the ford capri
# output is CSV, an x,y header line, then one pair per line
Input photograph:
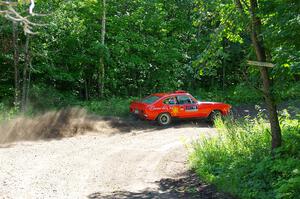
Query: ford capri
x,y
163,107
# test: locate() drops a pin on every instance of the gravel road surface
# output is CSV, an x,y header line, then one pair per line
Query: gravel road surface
x,y
95,165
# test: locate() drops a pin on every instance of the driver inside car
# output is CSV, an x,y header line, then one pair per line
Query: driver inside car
x,y
172,101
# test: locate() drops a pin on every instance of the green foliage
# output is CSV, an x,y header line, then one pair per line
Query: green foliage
x,y
240,94
238,159
243,93
287,91
146,46
225,41
111,107
247,94
7,113
282,35
151,46
44,98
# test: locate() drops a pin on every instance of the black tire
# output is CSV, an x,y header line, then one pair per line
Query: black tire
x,y
213,115
164,119
134,117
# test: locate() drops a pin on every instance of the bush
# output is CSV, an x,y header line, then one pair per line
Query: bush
x,y
241,93
6,113
44,98
108,107
238,159
244,93
287,91
53,99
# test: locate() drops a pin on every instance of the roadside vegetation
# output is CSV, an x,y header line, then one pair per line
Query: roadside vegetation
x,y
238,159
7,113
239,95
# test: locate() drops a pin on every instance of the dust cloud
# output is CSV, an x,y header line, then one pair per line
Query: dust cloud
x,y
67,122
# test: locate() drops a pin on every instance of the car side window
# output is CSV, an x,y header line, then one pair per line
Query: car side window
x,y
170,101
184,99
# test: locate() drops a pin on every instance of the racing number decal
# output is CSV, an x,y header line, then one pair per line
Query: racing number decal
x,y
175,110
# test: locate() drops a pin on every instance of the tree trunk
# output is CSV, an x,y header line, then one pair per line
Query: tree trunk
x,y
98,82
223,77
16,65
261,56
28,80
86,90
102,76
25,76
103,32
223,67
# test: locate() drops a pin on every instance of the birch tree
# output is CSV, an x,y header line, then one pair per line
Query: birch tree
x,y
8,11
103,32
16,65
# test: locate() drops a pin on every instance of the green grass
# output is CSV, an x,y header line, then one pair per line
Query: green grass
x,y
238,159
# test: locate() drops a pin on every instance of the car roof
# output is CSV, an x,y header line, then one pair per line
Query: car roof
x,y
170,93
160,94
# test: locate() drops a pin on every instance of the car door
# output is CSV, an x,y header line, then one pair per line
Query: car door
x,y
171,105
188,107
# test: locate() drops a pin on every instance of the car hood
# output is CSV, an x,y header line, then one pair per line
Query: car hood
x,y
210,103
214,103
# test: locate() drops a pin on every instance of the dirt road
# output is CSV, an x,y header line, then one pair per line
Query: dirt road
x,y
96,165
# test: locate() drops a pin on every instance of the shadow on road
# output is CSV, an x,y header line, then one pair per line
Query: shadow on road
x,y
185,187
127,125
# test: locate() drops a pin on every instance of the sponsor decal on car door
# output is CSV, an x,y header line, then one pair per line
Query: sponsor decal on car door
x,y
188,107
191,108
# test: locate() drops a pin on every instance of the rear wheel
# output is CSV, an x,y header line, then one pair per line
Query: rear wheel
x,y
164,119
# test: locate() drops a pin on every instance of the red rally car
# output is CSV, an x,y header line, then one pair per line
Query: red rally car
x,y
179,104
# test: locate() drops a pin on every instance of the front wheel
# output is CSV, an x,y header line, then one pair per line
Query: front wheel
x,y
164,119
213,115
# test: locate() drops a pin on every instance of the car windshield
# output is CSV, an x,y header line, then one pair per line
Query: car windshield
x,y
150,99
